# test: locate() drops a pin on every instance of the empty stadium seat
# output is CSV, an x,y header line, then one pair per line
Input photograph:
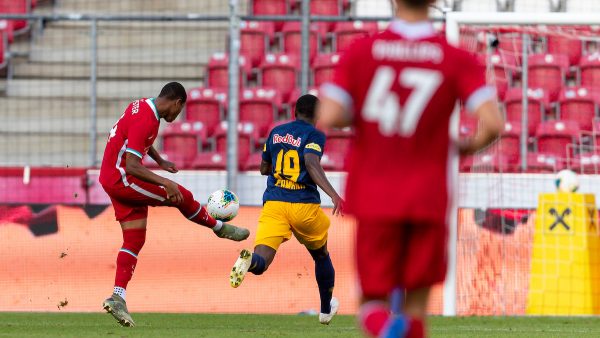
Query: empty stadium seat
x,y
346,32
291,38
296,93
548,71
253,162
543,163
328,8
15,7
492,163
280,71
579,104
210,161
590,70
509,143
338,141
504,67
6,29
596,133
181,141
247,138
323,67
562,43
586,164
260,106
206,105
332,161
218,70
537,103
255,39
553,137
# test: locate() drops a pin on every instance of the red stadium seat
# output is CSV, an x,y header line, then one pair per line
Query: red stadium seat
x,y
338,141
579,104
511,43
181,140
537,103
323,67
210,161
206,105
596,133
260,107
543,163
590,70
548,71
269,7
588,164
255,37
247,138
328,8
346,32
492,163
6,29
295,95
504,67
15,7
563,43
253,162
332,161
553,137
291,37
509,143
218,70
280,71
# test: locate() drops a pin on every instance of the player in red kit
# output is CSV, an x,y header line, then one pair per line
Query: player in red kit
x,y
132,188
398,89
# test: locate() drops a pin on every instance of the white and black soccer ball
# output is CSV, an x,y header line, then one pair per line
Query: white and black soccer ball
x,y
223,205
567,181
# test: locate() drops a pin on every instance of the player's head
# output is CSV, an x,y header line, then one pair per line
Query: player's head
x,y
173,97
306,106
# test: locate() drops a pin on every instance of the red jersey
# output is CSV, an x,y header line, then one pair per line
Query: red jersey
x,y
134,133
401,86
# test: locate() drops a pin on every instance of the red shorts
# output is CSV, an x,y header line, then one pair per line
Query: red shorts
x,y
131,202
395,254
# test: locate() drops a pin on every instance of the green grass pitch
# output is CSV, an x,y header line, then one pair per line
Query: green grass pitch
x,y
194,325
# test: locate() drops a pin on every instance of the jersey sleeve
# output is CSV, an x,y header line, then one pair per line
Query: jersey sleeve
x,y
340,88
472,88
266,154
139,131
315,144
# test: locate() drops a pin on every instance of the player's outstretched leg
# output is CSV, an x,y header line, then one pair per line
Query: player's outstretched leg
x,y
256,262
192,210
116,306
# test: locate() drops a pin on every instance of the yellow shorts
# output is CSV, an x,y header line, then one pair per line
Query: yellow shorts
x,y
278,220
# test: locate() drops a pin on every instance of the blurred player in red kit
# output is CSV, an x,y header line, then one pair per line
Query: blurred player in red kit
x,y
398,89
132,187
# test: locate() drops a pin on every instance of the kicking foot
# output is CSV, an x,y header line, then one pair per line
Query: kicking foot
x,y
325,318
232,232
240,268
115,305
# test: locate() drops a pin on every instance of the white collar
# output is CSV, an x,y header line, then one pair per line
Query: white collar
x,y
412,30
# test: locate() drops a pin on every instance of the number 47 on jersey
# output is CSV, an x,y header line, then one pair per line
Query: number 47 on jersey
x,y
382,105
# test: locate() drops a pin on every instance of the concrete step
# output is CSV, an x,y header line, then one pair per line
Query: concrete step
x,y
206,7
48,88
63,70
60,108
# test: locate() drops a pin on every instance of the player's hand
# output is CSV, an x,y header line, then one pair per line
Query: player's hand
x,y
173,193
168,166
338,206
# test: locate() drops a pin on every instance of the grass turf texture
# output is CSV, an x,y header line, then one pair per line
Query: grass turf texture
x,y
193,325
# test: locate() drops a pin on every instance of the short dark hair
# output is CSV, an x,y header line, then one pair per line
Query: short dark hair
x,y
306,106
173,91
416,3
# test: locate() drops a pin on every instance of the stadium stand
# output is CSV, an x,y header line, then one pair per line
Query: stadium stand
x,y
206,105
346,32
590,70
280,71
255,39
548,71
553,137
260,106
183,135
218,71
537,104
291,38
579,104
323,67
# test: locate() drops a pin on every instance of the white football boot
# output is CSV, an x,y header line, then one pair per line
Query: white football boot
x,y
325,318
240,268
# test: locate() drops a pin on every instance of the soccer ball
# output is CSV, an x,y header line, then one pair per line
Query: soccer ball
x,y
566,181
223,205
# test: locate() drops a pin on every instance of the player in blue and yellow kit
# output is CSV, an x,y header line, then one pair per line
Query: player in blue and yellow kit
x,y
292,204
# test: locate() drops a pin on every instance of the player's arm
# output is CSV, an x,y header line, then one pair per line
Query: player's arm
x,y
316,172
164,164
491,125
134,167
266,168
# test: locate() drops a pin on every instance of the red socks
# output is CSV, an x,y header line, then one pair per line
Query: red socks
x,y
376,321
133,241
193,211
